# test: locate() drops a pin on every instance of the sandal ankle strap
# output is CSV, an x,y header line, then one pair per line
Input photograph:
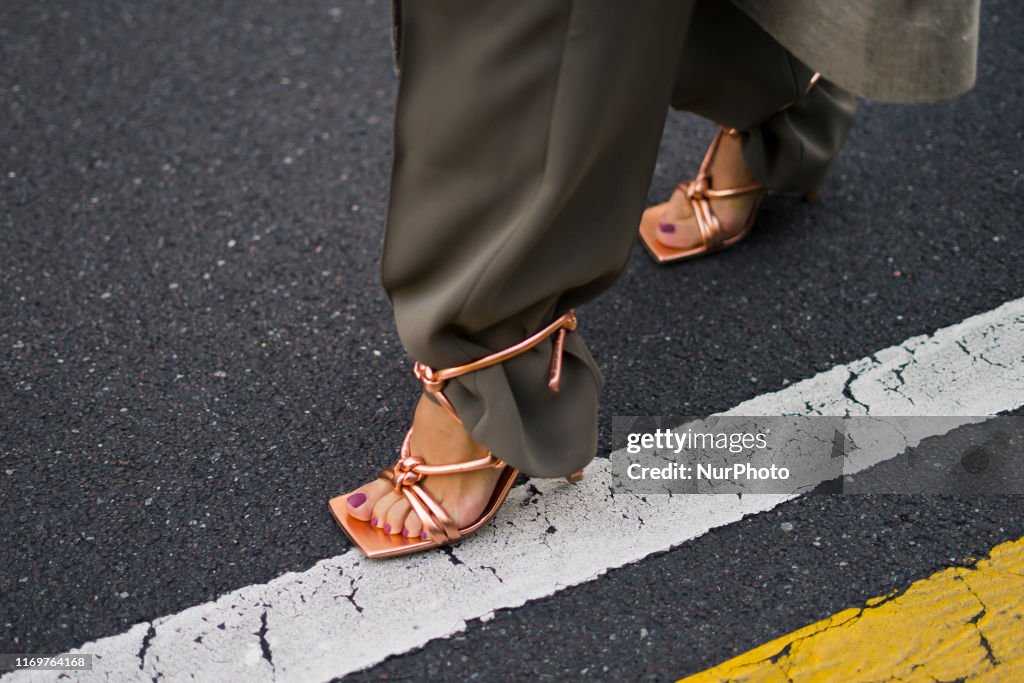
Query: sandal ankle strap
x,y
810,84
434,380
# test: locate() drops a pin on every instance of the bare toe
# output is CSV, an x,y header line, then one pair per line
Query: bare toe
x,y
361,501
413,526
380,510
394,521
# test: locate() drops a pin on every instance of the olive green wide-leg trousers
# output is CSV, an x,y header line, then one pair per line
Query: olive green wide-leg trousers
x,y
526,135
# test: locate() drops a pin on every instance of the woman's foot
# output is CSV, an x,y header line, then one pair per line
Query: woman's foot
x,y
677,226
438,440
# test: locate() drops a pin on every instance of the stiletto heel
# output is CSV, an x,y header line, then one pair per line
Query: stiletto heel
x,y
575,477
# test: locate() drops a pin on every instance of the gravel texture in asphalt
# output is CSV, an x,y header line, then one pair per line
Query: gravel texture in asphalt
x,y
195,352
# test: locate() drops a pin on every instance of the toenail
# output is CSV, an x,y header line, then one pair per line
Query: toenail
x,y
373,521
666,227
423,535
405,533
357,499
387,528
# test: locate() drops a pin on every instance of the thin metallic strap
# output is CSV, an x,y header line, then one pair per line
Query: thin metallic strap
x,y
810,84
694,192
435,520
405,475
699,191
486,462
447,524
555,368
814,79
434,380
434,527
564,322
703,173
707,222
700,186
732,191
410,469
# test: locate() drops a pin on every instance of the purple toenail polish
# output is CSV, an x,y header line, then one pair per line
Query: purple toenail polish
x,y
373,521
666,227
387,528
423,535
357,499
405,533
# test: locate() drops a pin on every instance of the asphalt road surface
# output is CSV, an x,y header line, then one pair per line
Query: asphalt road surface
x,y
195,352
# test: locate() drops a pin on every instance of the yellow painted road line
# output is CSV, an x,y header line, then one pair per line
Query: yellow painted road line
x,y
963,623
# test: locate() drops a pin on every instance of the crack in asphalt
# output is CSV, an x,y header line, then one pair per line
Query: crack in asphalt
x,y
264,643
146,640
848,393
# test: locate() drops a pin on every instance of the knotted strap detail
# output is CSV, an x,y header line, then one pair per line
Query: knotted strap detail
x,y
698,193
405,476
434,380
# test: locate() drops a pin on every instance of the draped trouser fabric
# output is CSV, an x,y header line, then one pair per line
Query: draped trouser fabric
x,y
526,135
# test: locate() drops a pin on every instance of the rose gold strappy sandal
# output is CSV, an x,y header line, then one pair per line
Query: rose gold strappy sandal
x,y
406,474
698,193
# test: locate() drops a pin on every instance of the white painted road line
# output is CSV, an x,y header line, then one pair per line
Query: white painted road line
x,y
346,613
